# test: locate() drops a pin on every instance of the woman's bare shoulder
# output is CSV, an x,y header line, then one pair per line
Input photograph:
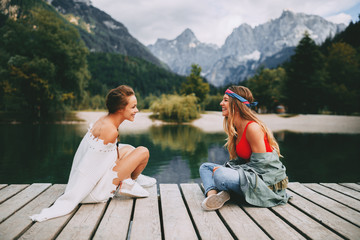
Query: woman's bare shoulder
x,y
254,126
109,133
254,130
255,136
105,131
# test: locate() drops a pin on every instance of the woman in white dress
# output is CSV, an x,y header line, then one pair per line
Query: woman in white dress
x,y
103,168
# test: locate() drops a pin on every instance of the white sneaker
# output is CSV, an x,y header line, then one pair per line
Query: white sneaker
x,y
145,181
131,188
216,201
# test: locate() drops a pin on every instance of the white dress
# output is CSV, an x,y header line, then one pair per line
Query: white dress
x,y
90,178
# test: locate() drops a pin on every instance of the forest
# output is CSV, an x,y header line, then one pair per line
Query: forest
x,y
317,79
46,68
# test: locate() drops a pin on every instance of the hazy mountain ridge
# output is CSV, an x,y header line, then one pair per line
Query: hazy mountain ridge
x,y
100,32
176,52
245,49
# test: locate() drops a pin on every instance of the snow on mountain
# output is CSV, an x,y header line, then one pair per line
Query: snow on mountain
x,y
245,49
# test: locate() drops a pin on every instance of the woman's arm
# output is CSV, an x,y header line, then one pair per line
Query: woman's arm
x,y
255,137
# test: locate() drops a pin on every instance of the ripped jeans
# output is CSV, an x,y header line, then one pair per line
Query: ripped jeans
x,y
223,179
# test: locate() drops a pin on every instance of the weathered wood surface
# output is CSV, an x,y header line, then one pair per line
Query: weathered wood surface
x,y
316,211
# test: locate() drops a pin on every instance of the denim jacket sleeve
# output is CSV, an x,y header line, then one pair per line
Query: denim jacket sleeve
x,y
262,171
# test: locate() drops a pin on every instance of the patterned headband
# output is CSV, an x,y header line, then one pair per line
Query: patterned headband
x,y
241,99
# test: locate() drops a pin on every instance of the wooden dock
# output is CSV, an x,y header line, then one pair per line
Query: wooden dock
x,y
316,211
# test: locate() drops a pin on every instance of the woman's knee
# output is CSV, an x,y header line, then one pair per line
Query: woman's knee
x,y
203,166
220,174
125,150
221,178
207,166
144,152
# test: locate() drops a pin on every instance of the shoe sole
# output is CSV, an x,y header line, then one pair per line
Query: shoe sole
x,y
218,201
132,195
147,185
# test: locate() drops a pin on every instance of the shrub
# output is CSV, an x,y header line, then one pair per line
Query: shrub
x,y
212,102
145,103
175,108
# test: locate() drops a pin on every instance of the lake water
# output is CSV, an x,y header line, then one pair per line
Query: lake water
x,y
44,153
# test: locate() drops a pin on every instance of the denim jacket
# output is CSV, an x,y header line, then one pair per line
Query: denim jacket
x,y
263,172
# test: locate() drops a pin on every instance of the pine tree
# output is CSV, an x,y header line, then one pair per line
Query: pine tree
x,y
194,84
343,84
267,87
306,77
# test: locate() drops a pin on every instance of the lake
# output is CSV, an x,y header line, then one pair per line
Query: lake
x,y
43,153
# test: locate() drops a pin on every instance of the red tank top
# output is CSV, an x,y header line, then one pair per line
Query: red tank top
x,y
243,149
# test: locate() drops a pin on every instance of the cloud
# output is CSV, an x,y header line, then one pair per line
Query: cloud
x,y
211,20
340,18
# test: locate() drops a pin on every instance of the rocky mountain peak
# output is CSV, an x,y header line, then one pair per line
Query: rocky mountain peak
x,y
286,13
87,2
100,32
246,48
187,37
243,27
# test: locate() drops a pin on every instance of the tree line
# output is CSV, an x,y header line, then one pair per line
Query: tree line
x,y
46,68
317,79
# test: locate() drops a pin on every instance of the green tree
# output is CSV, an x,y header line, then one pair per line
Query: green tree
x,y
267,86
194,84
43,66
212,102
306,75
108,70
32,81
61,44
343,66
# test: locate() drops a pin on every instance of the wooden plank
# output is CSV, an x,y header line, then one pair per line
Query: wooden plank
x,y
272,224
11,191
146,220
343,189
116,220
12,205
84,222
2,185
331,205
333,221
240,223
346,200
47,229
208,223
176,221
17,223
304,223
352,186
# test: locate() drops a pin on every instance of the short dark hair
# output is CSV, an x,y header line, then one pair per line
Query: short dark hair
x,y
116,99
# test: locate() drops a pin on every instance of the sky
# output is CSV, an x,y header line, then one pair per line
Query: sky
x,y
214,20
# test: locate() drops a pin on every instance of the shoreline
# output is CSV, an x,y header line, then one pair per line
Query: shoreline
x,y
212,122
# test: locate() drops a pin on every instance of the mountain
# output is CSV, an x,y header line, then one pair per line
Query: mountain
x,y
245,49
100,32
183,51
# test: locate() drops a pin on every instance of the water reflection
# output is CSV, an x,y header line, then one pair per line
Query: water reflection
x,y
37,153
179,151
321,157
44,153
177,137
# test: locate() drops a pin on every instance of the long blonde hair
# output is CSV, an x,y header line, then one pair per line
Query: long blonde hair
x,y
247,114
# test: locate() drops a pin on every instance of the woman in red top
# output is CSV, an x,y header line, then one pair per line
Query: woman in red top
x,y
246,135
